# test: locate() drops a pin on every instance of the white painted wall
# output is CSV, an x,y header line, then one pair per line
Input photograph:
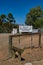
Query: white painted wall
x,y
14,31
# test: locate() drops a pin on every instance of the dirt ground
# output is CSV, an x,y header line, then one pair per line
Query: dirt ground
x,y
33,55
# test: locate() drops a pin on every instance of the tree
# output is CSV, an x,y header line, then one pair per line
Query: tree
x,y
3,18
34,17
10,18
38,23
7,23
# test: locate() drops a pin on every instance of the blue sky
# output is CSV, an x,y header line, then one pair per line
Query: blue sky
x,y
19,8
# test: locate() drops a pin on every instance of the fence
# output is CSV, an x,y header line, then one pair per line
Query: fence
x,y
24,36
18,40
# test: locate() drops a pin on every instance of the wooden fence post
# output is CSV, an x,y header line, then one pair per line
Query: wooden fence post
x,y
31,41
10,46
39,38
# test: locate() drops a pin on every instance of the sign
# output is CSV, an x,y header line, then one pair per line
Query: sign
x,y
14,31
25,29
